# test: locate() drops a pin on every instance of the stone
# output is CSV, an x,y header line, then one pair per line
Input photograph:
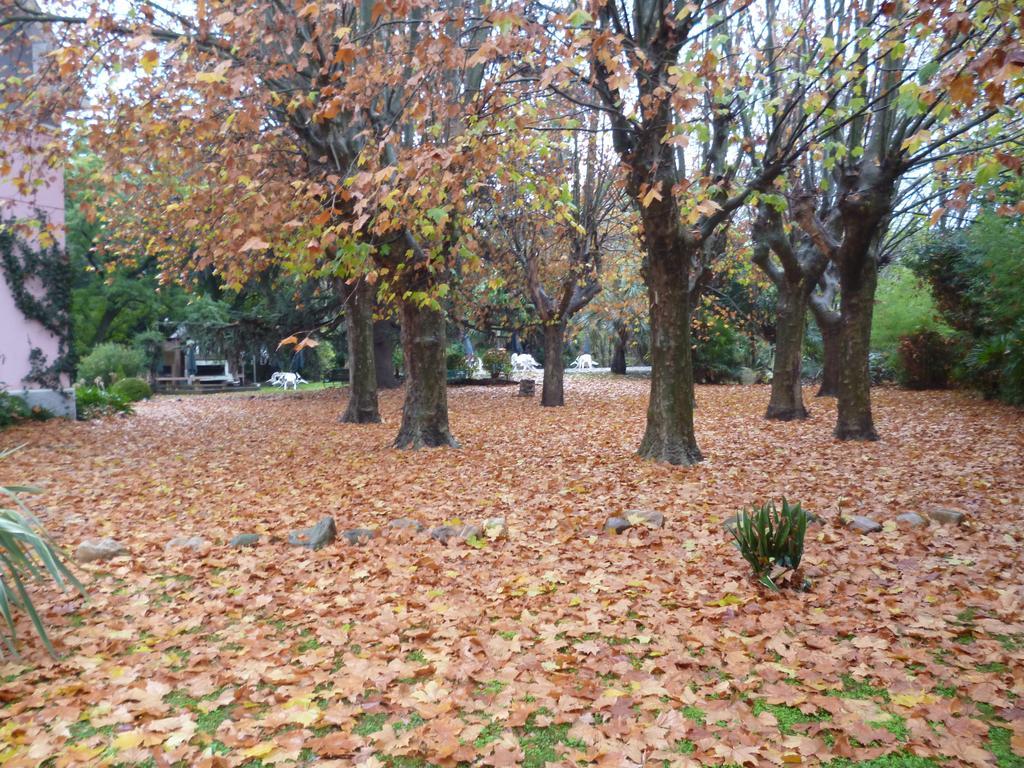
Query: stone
x,y
912,520
406,523
945,516
495,528
320,535
92,550
359,535
445,533
194,543
617,524
863,524
245,540
527,387
646,518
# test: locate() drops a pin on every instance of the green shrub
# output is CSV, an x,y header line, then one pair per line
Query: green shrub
x,y
497,362
771,538
717,351
995,366
93,402
12,409
132,390
111,362
26,554
903,306
926,359
457,364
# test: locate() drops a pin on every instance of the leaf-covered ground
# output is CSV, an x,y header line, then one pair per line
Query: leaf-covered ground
x,y
557,646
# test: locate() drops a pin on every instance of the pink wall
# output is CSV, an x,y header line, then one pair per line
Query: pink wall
x,y
19,335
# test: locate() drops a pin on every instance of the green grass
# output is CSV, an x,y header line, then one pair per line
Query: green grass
x,y
895,760
370,722
541,744
311,386
789,717
859,689
696,714
999,745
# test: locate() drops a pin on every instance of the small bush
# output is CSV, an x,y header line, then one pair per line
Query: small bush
x,y
93,402
111,362
132,390
771,539
457,364
12,409
497,362
925,360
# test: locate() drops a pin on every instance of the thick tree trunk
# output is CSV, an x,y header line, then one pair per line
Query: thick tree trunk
x,y
385,338
787,401
362,381
858,279
669,435
829,327
425,412
554,365
619,356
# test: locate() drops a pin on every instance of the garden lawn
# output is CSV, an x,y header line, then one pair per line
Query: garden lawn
x,y
559,645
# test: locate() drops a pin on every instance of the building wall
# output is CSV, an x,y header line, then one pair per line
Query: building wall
x,y
18,334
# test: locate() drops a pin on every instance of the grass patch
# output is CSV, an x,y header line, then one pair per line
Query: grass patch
x,y
491,688
999,745
895,760
370,722
696,714
789,717
541,744
859,689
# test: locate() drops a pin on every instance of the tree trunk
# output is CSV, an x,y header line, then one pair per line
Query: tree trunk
x,y
669,435
425,412
787,401
554,365
619,356
385,337
362,380
829,327
857,280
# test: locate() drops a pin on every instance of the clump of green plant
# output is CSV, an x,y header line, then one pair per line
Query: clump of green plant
x,y
14,409
26,553
111,362
94,402
132,390
772,540
497,362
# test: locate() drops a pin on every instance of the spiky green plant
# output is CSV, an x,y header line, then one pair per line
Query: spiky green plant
x,y
769,538
26,554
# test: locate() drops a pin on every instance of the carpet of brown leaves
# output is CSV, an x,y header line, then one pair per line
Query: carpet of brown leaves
x,y
557,645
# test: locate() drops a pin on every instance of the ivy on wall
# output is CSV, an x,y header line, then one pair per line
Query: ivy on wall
x,y
39,276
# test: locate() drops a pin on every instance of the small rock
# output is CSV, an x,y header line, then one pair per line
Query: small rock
x,y
946,516
471,532
646,517
617,524
245,540
863,524
495,528
406,523
359,535
320,535
194,543
912,520
443,533
91,550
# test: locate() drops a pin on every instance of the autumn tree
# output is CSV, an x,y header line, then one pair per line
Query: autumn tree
x,y
553,218
318,120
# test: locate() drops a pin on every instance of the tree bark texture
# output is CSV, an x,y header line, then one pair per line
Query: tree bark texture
x,y
425,412
787,399
619,356
554,365
385,339
857,281
362,381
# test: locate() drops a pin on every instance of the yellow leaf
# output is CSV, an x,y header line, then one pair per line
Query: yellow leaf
x,y
149,61
262,749
211,77
913,699
128,740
